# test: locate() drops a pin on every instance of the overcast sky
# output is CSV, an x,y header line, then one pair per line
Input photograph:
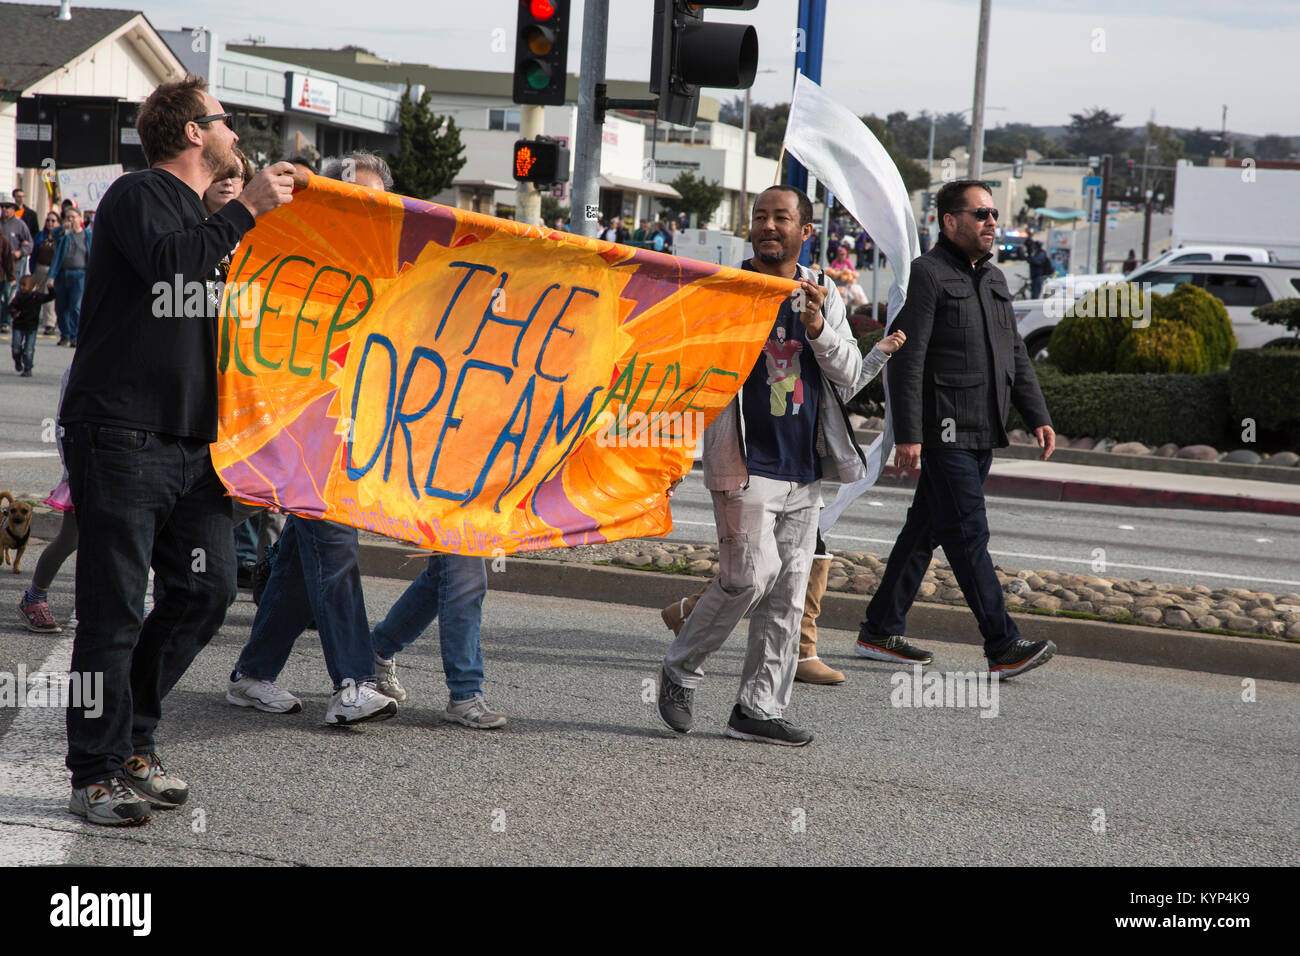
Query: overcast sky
x,y
1048,58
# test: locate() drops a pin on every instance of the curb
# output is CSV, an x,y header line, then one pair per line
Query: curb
x,y
1259,658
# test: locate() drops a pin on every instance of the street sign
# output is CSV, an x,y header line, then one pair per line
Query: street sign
x,y
1091,183
995,183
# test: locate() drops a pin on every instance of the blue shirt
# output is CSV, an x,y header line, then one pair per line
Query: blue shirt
x,y
779,401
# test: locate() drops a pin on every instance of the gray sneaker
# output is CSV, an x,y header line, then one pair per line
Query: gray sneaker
x,y
263,694
475,713
145,775
675,703
109,803
386,679
773,730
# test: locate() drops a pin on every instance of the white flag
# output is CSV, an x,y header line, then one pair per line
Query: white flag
x,y
836,147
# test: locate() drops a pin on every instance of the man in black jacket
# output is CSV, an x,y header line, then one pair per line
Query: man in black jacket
x,y
139,413
949,392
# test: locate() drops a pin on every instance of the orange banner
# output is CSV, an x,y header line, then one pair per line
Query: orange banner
x,y
471,384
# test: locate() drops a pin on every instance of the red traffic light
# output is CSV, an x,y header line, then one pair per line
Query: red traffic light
x,y
541,9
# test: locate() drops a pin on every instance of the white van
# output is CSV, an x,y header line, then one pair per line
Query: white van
x,y
1073,286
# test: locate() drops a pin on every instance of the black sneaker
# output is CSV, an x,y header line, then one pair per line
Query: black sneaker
x,y
774,730
675,702
1020,657
889,647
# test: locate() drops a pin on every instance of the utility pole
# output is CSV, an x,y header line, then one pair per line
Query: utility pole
x,y
976,166
587,139
528,199
1105,194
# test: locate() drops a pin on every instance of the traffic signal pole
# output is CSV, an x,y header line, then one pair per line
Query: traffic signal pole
x,y
528,199
587,139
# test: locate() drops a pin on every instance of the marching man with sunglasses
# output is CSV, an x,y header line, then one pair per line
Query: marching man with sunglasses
x,y
949,393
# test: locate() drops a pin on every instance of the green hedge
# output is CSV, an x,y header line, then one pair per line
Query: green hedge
x,y
1265,386
1106,331
1164,347
1153,409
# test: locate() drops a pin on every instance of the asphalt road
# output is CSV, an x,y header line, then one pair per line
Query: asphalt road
x,y
1085,763
1172,546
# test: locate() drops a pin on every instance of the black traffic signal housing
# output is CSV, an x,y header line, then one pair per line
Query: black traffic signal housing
x,y
541,52
542,161
688,53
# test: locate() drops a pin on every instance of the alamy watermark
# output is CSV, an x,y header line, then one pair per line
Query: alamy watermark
x,y
977,689
80,691
1124,300
656,430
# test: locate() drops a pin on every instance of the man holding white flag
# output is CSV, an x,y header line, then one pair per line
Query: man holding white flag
x,y
949,393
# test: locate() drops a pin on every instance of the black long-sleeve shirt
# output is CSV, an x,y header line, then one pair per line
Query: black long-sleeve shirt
x,y
135,367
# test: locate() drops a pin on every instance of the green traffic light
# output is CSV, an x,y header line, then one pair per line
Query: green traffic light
x,y
538,76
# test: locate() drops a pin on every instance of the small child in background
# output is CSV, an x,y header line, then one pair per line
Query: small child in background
x,y
26,311
34,605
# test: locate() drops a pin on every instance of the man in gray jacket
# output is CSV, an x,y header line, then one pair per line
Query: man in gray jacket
x,y
764,458
949,393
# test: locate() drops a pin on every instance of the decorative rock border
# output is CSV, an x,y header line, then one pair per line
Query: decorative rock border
x,y
1196,608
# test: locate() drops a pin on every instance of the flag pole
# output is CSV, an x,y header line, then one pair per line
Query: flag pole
x,y
777,181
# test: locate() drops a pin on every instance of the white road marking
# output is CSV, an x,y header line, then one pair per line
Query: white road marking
x,y
1125,527
29,454
35,826
1190,572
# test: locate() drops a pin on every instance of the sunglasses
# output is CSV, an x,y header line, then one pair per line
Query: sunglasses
x,y
223,117
982,213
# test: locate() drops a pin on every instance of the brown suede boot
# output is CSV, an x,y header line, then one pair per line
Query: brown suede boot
x,y
675,615
811,670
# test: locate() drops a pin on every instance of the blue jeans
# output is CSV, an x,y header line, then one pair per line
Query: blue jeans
x,y
24,350
69,284
142,499
947,510
451,589
315,574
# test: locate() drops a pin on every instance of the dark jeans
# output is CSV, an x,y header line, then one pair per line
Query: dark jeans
x,y
24,350
315,574
947,510
1036,285
142,499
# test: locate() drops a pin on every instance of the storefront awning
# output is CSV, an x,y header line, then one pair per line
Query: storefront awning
x,y
662,190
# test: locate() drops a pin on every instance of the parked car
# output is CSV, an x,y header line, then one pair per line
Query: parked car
x,y
1077,285
1241,286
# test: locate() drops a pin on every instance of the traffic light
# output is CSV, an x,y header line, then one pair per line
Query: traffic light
x,y
542,161
541,52
1017,168
925,201
688,53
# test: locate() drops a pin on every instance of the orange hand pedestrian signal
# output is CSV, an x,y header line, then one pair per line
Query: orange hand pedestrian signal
x,y
524,162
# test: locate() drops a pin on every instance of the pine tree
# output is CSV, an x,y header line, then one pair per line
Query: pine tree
x,y
429,153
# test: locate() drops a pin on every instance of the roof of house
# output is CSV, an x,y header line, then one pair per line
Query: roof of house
x,y
34,42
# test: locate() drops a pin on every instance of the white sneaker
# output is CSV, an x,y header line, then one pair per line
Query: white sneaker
x,y
353,703
475,713
386,679
250,692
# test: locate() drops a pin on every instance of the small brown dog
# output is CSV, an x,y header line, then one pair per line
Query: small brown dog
x,y
17,527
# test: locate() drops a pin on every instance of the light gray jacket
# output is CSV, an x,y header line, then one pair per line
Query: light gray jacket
x,y
844,372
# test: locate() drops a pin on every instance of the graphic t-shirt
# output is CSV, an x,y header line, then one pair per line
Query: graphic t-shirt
x,y
779,401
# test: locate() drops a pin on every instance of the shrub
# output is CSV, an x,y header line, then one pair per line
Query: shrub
x,y
1154,409
1202,312
1264,386
1101,323
1084,341
1164,347
1283,312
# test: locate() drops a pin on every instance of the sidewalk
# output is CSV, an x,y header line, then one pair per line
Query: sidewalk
x,y
1058,481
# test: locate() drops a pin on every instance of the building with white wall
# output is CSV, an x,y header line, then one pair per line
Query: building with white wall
x,y
283,108
71,80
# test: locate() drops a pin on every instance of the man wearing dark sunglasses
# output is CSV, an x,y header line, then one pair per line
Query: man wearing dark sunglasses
x,y
139,414
949,393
